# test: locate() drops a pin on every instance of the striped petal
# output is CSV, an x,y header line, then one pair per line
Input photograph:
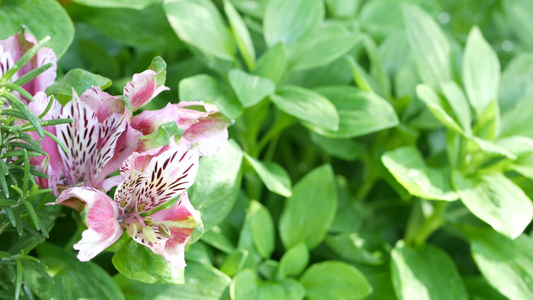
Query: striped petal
x,y
102,220
142,88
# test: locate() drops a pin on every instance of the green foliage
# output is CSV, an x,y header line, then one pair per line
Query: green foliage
x,y
379,149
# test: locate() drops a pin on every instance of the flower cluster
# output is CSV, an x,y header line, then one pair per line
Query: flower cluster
x,y
105,136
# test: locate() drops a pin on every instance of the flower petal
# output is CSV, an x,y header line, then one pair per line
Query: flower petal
x,y
181,220
149,121
102,221
80,137
103,104
142,88
210,133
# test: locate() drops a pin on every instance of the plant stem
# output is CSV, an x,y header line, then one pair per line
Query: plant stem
x,y
420,227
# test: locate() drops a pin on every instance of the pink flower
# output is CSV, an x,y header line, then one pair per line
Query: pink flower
x,y
143,88
12,49
200,122
98,141
148,181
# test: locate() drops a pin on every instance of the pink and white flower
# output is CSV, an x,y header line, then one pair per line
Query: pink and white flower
x,y
148,181
14,47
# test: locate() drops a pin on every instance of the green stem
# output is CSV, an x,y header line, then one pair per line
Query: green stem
x,y
420,227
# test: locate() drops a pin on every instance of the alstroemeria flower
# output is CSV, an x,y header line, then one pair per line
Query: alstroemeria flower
x,y
12,49
148,182
98,141
205,127
143,88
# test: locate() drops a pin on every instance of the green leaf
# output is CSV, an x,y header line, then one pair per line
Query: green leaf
x,y
457,100
479,288
246,286
516,81
136,261
343,9
293,262
72,279
359,112
79,80
429,46
234,262
328,44
354,248
262,228
272,64
293,289
250,89
275,178
519,119
437,106
133,26
282,24
335,280
135,4
311,108
201,283
496,200
216,238
425,273
240,34
42,17
346,149
206,88
411,171
217,184
506,264
310,211
481,72
199,24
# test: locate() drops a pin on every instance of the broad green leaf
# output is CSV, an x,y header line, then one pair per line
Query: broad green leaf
x,y
240,34
518,145
133,26
481,72
519,119
354,248
516,81
311,108
327,45
201,283
217,184
275,178
496,200
293,289
234,262
459,104
136,4
361,78
262,228
289,21
335,280
379,278
255,9
78,79
250,89
293,262
359,112
206,88
346,149
506,264
429,46
42,17
246,242
411,171
350,213
246,285
72,279
425,273
310,211
273,63
146,267
334,73
479,288
216,238
198,23
436,106
520,20
343,9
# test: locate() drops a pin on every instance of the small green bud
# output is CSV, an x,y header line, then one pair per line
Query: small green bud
x,y
164,230
149,234
131,230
